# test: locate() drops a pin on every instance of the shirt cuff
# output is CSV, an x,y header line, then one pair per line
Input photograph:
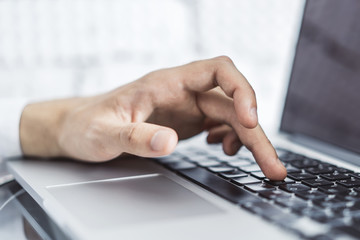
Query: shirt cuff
x,y
10,115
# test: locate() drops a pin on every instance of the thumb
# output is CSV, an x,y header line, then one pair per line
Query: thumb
x,y
147,140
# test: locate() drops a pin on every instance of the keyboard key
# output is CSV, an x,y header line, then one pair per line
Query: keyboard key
x,y
218,185
353,231
295,204
332,203
333,189
202,158
209,163
354,208
245,180
349,183
290,157
239,163
251,168
305,163
301,176
321,169
343,170
317,214
258,187
233,174
316,182
307,228
180,165
351,197
274,194
227,158
295,187
311,195
281,152
259,175
291,169
334,176
278,183
268,211
221,169
170,159
356,175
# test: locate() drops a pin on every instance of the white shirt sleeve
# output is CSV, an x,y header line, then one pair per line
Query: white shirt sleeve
x,y
10,114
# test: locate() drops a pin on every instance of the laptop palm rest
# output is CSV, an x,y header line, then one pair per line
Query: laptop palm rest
x,y
133,200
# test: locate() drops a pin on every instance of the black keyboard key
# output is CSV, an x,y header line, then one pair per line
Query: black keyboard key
x,y
251,168
291,169
305,163
245,180
343,170
353,231
334,176
234,174
349,183
274,194
354,208
311,195
258,187
295,204
259,175
180,165
316,182
317,214
330,203
170,159
281,152
321,169
301,176
239,163
201,158
294,187
351,197
290,157
209,163
268,211
356,175
218,185
334,189
278,183
221,169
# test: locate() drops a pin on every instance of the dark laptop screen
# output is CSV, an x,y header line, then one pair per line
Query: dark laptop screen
x,y
323,99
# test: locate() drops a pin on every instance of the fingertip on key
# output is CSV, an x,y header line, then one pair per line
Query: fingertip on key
x,y
277,172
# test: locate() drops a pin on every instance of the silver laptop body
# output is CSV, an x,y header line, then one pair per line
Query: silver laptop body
x,y
136,198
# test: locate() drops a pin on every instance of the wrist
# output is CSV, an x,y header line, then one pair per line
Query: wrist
x,y
40,124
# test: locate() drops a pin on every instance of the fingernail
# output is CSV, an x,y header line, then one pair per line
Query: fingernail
x,y
253,114
159,140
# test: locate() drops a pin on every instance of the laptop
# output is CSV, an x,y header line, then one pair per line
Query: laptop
x,y
199,193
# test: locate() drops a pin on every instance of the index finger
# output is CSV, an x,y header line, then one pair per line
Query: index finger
x,y
204,75
220,108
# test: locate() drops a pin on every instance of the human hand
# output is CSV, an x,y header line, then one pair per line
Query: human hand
x,y
146,117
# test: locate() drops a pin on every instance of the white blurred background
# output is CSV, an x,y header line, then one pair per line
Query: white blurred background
x,y
60,48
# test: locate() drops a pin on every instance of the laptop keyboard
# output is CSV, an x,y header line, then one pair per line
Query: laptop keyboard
x,y
317,200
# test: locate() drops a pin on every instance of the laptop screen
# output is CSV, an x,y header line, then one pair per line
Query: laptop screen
x,y
323,99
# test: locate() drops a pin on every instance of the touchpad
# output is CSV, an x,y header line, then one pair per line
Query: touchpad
x,y
132,200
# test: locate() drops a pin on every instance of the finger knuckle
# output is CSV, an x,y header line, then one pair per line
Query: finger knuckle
x,y
224,59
